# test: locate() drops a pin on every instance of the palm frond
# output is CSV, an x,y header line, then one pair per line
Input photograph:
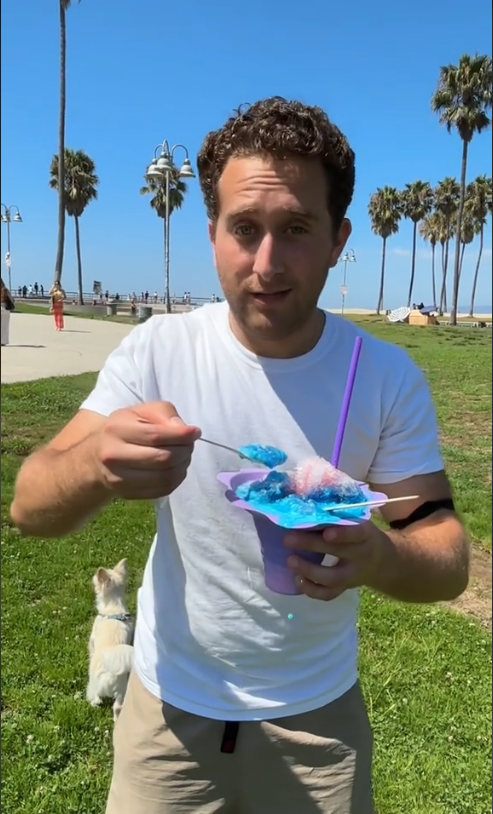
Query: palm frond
x,y
478,201
417,200
80,182
385,210
177,192
429,228
463,95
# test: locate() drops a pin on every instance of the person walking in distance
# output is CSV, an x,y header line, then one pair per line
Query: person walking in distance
x,y
242,700
58,297
7,307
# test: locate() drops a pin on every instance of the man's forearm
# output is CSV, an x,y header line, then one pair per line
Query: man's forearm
x,y
427,562
58,491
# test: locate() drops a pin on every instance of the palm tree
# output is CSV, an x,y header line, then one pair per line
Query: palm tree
x,y
429,229
417,203
385,210
80,189
177,192
63,8
478,206
462,100
447,194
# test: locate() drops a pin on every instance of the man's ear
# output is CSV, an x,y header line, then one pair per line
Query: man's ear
x,y
342,238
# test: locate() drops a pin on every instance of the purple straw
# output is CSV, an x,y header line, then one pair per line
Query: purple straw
x,y
341,429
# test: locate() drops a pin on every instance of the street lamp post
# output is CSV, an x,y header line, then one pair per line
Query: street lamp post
x,y
162,169
8,219
348,257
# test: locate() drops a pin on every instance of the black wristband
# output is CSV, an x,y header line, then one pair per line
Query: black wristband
x,y
423,511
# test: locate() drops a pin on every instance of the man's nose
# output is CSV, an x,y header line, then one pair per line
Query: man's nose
x,y
267,258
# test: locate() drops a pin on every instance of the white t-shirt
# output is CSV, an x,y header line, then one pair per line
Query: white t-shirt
x,y
211,639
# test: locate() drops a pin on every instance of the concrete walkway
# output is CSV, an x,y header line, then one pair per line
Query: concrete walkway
x,y
37,351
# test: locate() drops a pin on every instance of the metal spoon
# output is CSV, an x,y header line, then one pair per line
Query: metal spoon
x,y
231,449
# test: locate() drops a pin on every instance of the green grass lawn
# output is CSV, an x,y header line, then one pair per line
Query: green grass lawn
x,y
426,672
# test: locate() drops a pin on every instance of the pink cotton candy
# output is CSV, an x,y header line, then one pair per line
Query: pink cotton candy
x,y
316,475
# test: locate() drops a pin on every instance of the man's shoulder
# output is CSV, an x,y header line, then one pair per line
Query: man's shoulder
x,y
385,355
176,327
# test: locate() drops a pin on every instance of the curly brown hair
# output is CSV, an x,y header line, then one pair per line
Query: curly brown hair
x,y
281,129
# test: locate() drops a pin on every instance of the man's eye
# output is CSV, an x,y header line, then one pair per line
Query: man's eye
x,y
244,230
297,229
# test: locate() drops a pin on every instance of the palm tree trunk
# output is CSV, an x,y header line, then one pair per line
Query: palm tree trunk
x,y
443,292
79,261
413,266
456,284
462,253
61,145
433,276
382,277
476,272
445,268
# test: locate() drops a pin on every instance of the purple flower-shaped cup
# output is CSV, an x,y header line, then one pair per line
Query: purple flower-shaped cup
x,y
271,533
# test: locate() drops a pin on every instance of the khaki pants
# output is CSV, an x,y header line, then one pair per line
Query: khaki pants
x,y
170,762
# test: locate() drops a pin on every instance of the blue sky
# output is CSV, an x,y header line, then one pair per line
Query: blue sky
x,y
142,72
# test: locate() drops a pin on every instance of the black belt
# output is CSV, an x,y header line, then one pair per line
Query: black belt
x,y
230,736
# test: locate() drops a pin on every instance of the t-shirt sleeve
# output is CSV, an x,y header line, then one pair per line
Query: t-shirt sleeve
x,y
119,383
410,440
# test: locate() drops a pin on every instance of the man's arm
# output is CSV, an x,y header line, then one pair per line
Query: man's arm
x,y
59,488
137,453
428,561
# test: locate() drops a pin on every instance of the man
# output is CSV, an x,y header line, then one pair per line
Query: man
x,y
244,701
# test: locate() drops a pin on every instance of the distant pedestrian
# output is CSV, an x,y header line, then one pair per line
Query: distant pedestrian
x,y
58,296
42,290
36,289
7,307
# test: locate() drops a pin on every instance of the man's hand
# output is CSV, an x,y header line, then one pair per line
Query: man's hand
x,y
140,452
143,452
426,562
359,549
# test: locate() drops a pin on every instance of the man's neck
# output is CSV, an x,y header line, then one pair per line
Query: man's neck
x,y
297,344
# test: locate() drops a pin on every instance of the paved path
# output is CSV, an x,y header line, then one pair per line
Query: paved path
x,y
37,351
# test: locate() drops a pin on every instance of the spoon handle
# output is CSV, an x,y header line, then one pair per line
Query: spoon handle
x,y
221,446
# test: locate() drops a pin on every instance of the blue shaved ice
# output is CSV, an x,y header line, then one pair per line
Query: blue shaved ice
x,y
268,456
303,494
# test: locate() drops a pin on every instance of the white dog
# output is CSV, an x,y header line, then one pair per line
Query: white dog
x,y
110,649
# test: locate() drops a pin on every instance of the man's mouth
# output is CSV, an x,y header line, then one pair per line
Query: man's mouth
x,y
270,297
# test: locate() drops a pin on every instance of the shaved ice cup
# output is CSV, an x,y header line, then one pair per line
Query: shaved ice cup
x,y
271,533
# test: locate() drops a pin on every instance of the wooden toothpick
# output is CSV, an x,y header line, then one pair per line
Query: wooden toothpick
x,y
367,503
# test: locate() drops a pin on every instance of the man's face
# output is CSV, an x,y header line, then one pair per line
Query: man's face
x,y
274,244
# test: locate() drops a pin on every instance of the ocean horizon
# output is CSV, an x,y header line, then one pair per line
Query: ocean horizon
x,y
478,309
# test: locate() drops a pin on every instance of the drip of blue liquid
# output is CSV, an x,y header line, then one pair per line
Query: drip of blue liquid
x,y
268,456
